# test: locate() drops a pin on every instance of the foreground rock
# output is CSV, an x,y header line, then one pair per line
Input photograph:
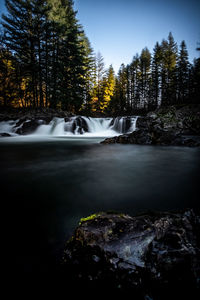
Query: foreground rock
x,y
156,255
4,134
165,126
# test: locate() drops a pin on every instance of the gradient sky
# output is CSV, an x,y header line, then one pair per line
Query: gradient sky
x,y
121,28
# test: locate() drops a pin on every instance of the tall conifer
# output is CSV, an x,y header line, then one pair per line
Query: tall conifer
x,y
183,74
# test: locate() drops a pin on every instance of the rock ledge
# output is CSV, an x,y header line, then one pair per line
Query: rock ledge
x,y
165,126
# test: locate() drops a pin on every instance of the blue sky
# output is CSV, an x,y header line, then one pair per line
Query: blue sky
x,y
121,28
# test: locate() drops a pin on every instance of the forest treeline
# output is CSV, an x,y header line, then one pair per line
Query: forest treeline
x,y
46,60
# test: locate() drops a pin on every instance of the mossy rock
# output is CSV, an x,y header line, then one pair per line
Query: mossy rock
x,y
153,254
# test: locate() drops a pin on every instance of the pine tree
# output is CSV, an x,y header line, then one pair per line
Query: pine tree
x,y
100,71
40,10
145,68
20,39
135,82
68,56
90,73
47,42
183,74
97,92
122,88
128,89
156,76
195,82
169,62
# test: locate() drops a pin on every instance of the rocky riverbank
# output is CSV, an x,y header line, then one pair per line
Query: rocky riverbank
x,y
165,126
156,255
177,126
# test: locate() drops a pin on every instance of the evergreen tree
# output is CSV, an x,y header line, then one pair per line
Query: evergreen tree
x,y
195,82
145,71
128,89
68,56
135,82
169,61
46,59
20,39
97,92
156,76
100,71
122,88
90,73
40,9
183,74
47,42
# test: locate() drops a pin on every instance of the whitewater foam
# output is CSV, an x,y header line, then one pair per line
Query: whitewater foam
x,y
78,126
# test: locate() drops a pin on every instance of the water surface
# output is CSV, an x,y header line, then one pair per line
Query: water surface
x,y
49,184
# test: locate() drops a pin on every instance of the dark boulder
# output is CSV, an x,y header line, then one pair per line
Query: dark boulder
x,y
4,134
156,255
139,136
143,123
166,126
27,126
157,137
79,125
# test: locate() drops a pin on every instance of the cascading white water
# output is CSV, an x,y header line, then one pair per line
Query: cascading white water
x,y
97,124
10,127
7,126
124,124
133,124
79,126
99,127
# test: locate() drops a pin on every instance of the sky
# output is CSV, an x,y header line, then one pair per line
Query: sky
x,y
119,29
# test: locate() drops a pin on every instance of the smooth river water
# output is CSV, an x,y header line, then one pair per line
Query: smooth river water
x,y
48,184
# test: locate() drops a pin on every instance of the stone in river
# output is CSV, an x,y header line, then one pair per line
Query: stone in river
x,y
156,255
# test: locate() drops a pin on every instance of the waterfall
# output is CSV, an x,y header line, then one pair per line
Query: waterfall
x,y
9,127
99,126
124,124
55,127
78,125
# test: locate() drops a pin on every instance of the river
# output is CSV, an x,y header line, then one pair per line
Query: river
x,y
48,184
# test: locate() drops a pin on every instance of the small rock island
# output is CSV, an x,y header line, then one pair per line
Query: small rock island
x,y
156,255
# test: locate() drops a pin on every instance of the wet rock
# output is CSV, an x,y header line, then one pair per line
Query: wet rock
x,y
156,255
4,134
28,126
165,126
139,136
80,125
162,138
